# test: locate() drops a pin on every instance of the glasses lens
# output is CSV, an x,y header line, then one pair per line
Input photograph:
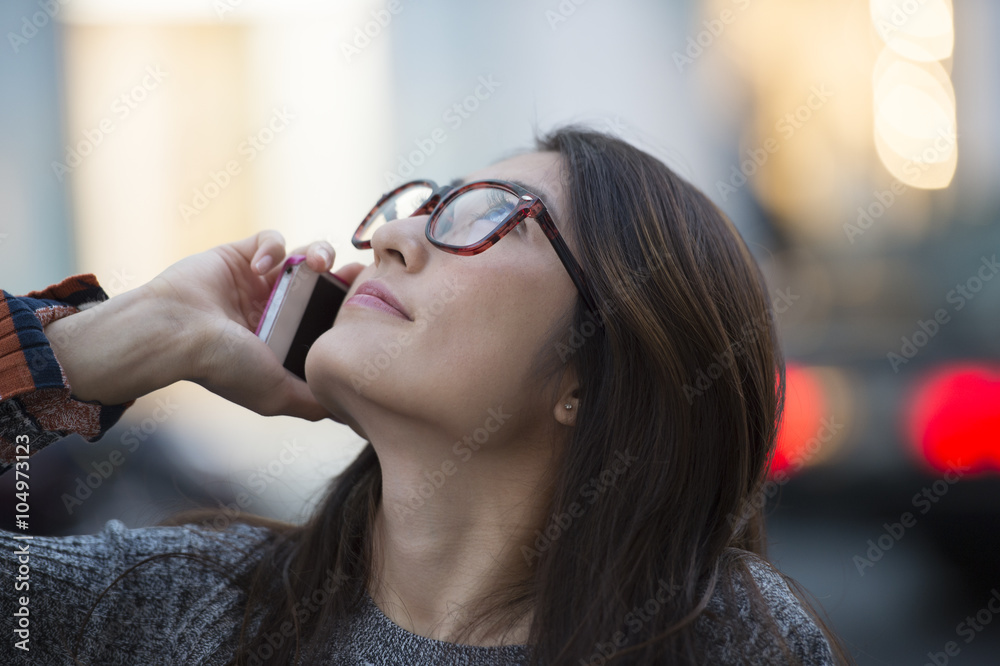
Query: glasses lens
x,y
473,215
399,206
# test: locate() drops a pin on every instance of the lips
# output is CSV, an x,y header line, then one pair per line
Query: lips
x,y
372,291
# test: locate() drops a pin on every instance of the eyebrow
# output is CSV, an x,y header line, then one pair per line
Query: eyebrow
x,y
544,194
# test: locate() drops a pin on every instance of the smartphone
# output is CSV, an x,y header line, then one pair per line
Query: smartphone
x,y
302,306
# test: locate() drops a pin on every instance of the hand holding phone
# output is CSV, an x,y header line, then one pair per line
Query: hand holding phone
x,y
302,306
199,326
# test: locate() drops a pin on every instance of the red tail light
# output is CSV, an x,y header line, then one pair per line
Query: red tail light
x,y
953,417
805,408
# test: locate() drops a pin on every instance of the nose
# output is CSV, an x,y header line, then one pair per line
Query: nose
x,y
402,240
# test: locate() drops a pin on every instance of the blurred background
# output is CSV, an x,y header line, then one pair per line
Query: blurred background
x,y
853,142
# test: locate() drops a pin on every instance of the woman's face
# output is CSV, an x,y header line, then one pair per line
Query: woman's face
x,y
479,324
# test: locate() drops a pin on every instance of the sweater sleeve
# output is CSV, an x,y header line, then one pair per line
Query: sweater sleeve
x,y
743,638
37,406
151,595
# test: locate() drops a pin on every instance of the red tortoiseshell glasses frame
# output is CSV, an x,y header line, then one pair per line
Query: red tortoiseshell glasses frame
x,y
438,199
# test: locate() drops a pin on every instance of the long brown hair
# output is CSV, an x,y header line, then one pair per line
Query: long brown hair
x,y
682,298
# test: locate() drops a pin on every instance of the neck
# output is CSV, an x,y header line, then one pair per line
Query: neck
x,y
449,532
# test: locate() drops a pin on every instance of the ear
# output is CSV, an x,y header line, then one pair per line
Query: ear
x,y
568,404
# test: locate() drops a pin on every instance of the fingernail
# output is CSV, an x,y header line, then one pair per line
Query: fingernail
x,y
263,264
323,252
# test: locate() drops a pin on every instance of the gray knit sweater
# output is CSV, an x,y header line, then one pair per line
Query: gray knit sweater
x,y
176,611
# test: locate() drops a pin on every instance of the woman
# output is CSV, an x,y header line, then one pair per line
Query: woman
x,y
543,482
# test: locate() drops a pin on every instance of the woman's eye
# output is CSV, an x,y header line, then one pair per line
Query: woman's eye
x,y
480,229
494,214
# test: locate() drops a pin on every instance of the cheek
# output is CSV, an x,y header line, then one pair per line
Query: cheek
x,y
474,340
493,336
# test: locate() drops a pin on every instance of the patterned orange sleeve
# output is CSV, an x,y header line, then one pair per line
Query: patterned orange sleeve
x,y
36,400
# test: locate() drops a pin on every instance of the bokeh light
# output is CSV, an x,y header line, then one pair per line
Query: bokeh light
x,y
953,417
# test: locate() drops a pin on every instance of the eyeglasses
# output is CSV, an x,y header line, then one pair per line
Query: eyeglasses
x,y
469,219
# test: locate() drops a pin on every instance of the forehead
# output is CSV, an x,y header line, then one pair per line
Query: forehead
x,y
539,172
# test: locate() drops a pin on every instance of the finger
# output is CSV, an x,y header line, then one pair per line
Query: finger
x,y
249,246
320,255
269,252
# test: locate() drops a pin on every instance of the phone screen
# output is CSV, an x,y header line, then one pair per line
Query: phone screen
x,y
317,319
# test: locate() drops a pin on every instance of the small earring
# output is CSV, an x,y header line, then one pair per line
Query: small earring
x,y
569,406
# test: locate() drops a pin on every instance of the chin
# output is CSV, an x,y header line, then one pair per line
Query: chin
x,y
335,370
330,385
325,368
